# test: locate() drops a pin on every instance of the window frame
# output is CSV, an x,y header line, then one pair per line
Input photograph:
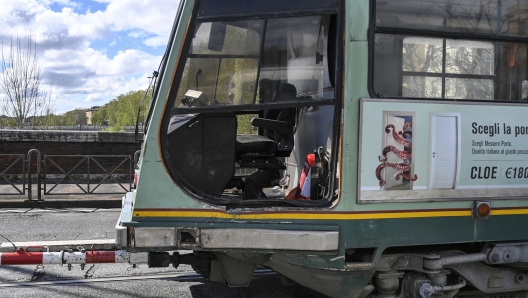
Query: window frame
x,y
260,106
336,54
162,67
444,75
444,35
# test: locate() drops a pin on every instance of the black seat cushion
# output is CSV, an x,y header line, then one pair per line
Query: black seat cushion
x,y
254,144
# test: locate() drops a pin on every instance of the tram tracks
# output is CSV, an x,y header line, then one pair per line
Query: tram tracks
x,y
68,282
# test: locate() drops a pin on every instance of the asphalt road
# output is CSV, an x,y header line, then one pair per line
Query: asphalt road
x,y
80,224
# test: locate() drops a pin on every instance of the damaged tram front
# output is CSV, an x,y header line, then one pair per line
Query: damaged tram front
x,y
361,148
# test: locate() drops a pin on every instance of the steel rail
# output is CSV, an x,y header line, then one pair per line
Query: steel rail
x,y
174,277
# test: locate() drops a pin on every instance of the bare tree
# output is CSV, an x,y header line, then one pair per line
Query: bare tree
x,y
20,84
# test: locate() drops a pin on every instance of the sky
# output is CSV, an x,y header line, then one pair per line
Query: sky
x,y
91,51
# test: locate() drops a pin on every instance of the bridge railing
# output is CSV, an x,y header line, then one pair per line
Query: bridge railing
x,y
65,174
12,184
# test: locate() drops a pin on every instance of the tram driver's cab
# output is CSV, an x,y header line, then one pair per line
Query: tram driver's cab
x,y
254,98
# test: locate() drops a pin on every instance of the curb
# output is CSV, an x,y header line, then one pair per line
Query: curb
x,y
105,204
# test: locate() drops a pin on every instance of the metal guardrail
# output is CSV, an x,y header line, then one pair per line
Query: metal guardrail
x,y
53,173
86,160
4,177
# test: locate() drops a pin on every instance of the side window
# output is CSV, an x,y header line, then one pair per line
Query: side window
x,y
446,68
450,49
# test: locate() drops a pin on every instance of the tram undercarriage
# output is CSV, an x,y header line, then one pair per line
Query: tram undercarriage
x,y
420,272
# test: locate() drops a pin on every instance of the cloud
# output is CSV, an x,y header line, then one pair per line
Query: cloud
x,y
91,50
138,33
94,97
156,41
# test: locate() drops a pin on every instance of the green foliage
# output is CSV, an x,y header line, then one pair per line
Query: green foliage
x,y
47,120
75,117
123,110
244,124
7,121
99,117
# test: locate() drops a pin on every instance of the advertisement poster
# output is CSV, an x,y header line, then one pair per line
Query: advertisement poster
x,y
442,150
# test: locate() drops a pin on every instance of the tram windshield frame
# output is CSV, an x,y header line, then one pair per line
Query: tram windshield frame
x,y
246,63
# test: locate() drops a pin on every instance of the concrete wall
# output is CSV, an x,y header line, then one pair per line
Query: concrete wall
x,y
67,143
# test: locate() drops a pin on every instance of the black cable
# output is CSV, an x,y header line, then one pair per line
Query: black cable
x,y
9,241
152,80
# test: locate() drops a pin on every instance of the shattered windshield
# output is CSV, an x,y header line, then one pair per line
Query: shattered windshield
x,y
256,61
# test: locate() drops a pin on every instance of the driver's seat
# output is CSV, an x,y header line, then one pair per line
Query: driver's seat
x,y
262,151
278,126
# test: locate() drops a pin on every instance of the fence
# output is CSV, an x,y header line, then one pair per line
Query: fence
x,y
13,162
66,174
79,127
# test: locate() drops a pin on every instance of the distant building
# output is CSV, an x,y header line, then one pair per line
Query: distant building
x,y
89,114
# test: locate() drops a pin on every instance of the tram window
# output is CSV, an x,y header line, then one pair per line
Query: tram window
x,y
254,99
225,61
220,61
294,54
427,74
525,90
410,64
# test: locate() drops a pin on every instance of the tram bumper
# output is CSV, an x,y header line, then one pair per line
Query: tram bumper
x,y
162,237
227,251
223,238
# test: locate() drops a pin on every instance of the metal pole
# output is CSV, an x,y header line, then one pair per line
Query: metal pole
x,y
29,186
39,185
88,162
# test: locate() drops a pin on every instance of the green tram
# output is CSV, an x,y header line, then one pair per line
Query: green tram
x,y
356,147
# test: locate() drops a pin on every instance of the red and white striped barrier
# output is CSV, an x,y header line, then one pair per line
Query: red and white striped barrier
x,y
24,257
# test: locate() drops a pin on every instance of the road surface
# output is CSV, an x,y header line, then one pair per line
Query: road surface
x,y
108,280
